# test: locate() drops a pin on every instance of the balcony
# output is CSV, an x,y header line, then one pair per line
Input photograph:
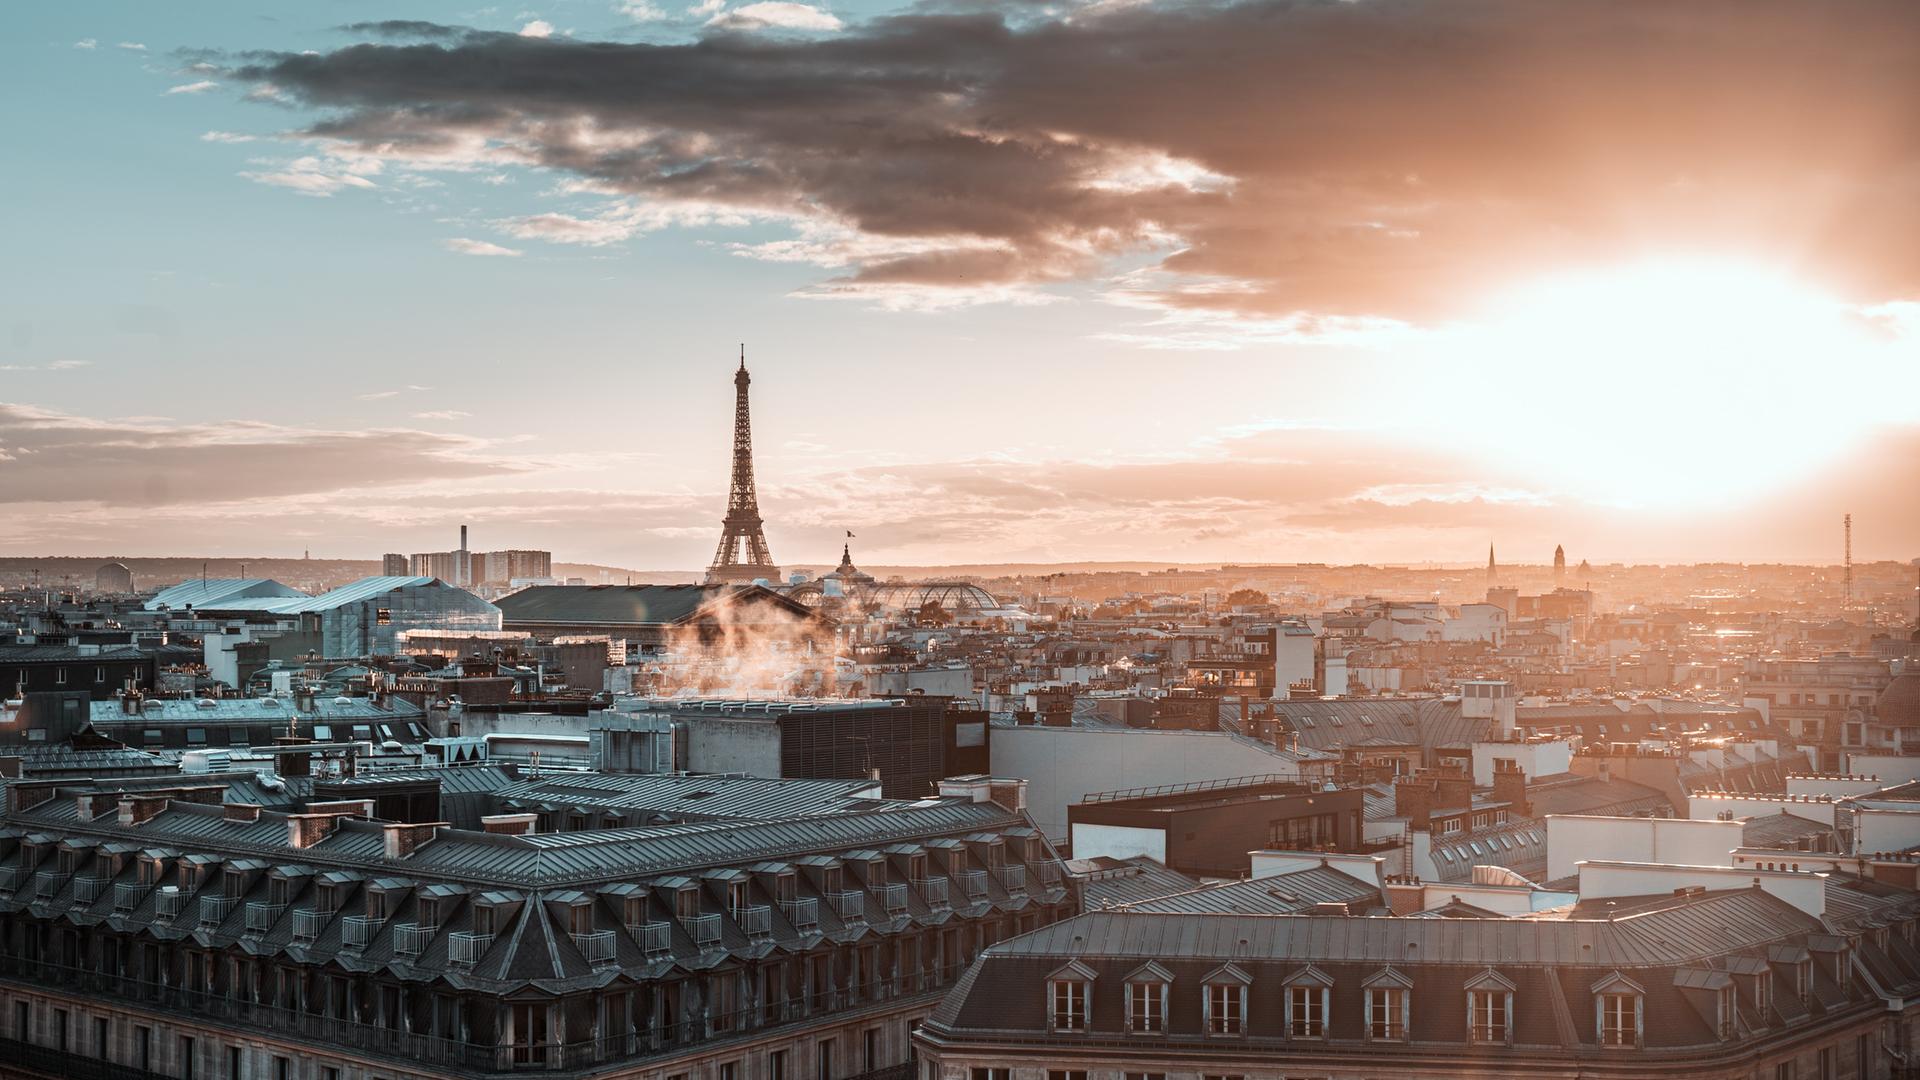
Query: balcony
x,y
974,884
756,921
596,946
215,909
851,906
356,931
803,913
12,877
1014,879
308,922
934,892
1049,875
655,938
465,949
168,902
705,930
126,895
411,939
894,899
46,883
88,889
261,916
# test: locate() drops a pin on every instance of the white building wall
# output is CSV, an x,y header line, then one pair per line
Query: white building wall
x,y
1710,805
1885,830
1600,880
1064,765
1535,759
1834,787
1891,769
1118,842
1574,838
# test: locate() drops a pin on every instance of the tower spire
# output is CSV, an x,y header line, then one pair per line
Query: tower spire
x,y
742,555
1492,574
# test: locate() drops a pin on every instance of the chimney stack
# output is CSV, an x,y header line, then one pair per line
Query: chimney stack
x,y
1413,800
510,824
401,839
1510,787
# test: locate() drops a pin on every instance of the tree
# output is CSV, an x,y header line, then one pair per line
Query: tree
x,y
1246,598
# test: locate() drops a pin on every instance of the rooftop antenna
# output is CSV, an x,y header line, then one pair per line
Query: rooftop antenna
x,y
1846,576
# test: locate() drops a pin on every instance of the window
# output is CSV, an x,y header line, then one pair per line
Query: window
x,y
777,1065
282,1068
729,1070
1146,1007
1069,1005
1783,1071
186,1057
1619,1019
1146,1076
1386,1013
1487,1015
233,1063
1763,994
102,1039
1226,1008
1066,1074
1826,1063
1307,1012
992,1074
825,1063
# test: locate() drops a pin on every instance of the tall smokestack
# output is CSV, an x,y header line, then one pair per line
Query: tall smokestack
x,y
463,538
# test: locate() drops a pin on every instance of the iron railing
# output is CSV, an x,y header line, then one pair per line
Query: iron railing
x,y
894,899
803,913
126,895
168,903
655,938
465,948
356,931
215,909
756,921
308,922
850,905
89,888
411,939
974,884
934,891
261,915
596,946
705,929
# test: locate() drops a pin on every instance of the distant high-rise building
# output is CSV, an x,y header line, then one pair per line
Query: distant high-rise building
x,y
1559,566
743,555
393,565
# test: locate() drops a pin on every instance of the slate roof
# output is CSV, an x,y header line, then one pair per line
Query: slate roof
x,y
694,797
213,592
631,605
1281,894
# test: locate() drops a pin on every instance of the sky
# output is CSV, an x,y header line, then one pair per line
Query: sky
x,y
1381,280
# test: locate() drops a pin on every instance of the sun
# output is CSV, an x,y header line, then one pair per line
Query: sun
x,y
1675,382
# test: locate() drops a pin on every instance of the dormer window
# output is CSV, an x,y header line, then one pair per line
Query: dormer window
x,y
917,867
427,913
1617,1011
686,903
1389,1006
736,897
1069,990
786,886
277,891
1309,991
580,919
376,905
1226,1000
830,879
636,910
1803,979
1489,1008
483,919
1763,994
1147,989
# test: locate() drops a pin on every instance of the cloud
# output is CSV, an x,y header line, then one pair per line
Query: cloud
x,y
131,46
378,395
442,414
537,28
319,177
225,137
132,463
200,87
780,14
464,246
56,365
640,10
86,44
1358,160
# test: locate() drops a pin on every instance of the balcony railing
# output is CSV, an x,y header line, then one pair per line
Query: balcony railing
x,y
126,895
850,905
215,909
356,931
89,888
934,892
411,939
974,884
409,1051
705,929
46,883
261,916
1014,878
596,946
12,877
1049,875
655,938
803,913
308,922
756,921
894,899
465,949
168,903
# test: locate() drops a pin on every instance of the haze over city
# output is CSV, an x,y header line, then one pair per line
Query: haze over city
x,y
1177,282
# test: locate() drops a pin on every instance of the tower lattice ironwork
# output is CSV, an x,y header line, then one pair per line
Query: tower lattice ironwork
x,y
743,554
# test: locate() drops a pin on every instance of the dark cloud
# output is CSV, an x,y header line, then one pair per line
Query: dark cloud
x,y
50,457
1378,157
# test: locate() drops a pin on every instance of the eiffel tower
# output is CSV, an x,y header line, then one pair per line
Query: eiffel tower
x,y
742,556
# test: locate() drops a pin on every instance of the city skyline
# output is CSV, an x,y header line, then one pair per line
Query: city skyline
x,y
272,291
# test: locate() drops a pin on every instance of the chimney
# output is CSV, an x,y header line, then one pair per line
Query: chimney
x,y
96,804
1510,787
1413,800
973,788
306,830
401,839
1008,794
361,808
135,809
1452,790
511,824
463,538
1405,896
241,811
10,765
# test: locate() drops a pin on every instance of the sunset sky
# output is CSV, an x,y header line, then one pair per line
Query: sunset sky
x,y
1385,280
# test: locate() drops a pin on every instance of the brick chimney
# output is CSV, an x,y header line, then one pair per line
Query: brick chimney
x,y
1510,787
306,830
510,824
135,809
1008,794
1413,800
241,811
402,839
97,804
360,808
1405,896
1452,790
